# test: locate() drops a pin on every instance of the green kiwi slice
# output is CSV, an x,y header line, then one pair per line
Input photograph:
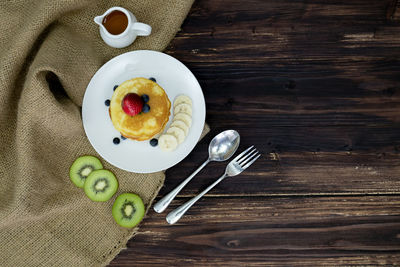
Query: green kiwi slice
x,y
128,210
82,167
100,185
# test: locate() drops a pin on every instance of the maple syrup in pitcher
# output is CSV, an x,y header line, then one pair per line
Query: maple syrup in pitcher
x,y
115,22
119,27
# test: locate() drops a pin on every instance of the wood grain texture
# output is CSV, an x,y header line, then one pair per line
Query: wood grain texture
x,y
273,232
315,86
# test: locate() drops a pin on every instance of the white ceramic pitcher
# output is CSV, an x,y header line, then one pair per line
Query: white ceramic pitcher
x,y
127,37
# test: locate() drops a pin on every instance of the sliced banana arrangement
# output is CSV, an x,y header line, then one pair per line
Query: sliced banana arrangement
x,y
180,126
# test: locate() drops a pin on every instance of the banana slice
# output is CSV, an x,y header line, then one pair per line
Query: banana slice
x,y
178,133
183,117
180,124
183,108
167,142
182,99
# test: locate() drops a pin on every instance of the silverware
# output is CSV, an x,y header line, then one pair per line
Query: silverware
x,y
221,148
236,166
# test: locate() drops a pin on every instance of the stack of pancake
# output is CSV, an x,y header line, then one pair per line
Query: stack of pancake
x,y
142,126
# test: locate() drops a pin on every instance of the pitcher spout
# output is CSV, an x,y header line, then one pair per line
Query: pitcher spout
x,y
98,20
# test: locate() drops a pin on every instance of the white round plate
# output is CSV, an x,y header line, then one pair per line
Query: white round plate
x,y
139,156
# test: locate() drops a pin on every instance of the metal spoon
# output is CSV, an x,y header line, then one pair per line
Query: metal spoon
x,y
221,148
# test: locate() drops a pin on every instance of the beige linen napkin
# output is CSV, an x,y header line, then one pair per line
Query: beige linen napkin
x,y
49,51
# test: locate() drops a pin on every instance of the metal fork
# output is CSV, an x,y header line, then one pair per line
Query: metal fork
x,y
236,166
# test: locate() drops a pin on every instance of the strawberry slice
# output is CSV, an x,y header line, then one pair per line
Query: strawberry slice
x,y
132,104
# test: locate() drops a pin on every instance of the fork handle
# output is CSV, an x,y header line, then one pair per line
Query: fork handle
x,y
163,203
177,213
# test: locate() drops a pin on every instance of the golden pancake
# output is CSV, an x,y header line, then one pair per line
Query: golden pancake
x,y
142,126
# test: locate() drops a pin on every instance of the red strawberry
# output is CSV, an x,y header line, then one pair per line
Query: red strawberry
x,y
132,104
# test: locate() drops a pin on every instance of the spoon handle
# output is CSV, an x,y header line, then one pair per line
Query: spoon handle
x,y
177,213
163,203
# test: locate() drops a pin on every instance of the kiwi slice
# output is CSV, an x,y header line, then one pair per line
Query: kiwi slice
x,y
100,185
128,210
82,167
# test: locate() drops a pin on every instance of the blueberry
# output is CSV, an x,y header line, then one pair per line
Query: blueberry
x,y
116,141
153,142
146,108
145,98
152,79
115,87
123,137
107,102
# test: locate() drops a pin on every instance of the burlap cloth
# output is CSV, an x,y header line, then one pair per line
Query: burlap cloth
x,y
49,51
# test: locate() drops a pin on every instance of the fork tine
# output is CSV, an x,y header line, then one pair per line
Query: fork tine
x,y
241,154
251,162
245,157
249,158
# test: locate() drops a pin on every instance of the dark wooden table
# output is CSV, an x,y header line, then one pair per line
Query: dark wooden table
x,y
315,85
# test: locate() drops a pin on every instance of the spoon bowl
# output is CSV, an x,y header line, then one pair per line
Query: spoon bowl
x,y
223,145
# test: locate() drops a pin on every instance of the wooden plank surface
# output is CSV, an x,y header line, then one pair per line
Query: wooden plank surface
x,y
315,85
260,231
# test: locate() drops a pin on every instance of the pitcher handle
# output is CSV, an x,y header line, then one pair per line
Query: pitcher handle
x,y
141,29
